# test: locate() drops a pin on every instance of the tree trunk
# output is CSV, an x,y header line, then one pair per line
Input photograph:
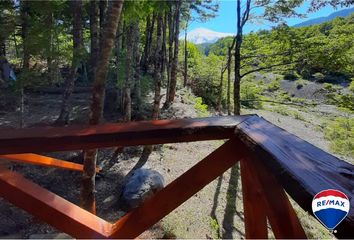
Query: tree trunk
x,y
173,83
171,29
118,53
24,34
51,70
237,104
185,80
94,22
106,45
147,45
136,66
64,116
220,90
164,36
103,10
229,81
128,74
158,71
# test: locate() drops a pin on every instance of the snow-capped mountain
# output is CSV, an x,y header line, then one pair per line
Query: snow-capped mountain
x,y
204,35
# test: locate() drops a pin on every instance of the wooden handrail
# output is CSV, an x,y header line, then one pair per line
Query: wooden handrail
x,y
302,169
271,159
42,139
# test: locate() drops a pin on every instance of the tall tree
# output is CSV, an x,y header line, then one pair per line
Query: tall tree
x,y
273,11
129,73
174,63
106,44
204,9
76,61
94,36
24,33
158,74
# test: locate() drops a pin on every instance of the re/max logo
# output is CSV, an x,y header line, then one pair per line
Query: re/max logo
x,y
330,202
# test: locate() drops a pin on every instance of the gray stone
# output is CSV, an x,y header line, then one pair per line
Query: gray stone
x,y
140,186
50,236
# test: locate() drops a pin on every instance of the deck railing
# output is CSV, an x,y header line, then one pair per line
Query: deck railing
x,y
272,160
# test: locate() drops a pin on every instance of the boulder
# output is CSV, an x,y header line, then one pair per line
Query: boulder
x,y
141,185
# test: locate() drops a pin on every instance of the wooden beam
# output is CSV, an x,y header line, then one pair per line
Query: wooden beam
x,y
253,203
44,139
173,195
302,169
50,208
36,159
281,214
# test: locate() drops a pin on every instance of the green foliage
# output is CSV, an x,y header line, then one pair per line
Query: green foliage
x,y
200,107
250,95
285,111
340,133
214,225
290,76
344,100
274,85
207,78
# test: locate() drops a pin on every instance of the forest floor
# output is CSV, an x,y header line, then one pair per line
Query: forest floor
x,y
214,212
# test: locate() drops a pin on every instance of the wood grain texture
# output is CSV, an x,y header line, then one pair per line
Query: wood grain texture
x,y
51,208
45,161
177,192
302,169
280,213
44,139
253,203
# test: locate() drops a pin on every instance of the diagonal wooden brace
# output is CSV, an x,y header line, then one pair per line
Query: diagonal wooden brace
x,y
43,161
177,192
51,208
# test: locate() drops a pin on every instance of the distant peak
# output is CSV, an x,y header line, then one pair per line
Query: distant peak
x,y
205,35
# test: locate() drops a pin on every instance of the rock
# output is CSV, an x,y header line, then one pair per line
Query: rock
x,y
140,186
50,236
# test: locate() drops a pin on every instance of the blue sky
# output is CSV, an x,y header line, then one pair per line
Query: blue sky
x,y
225,21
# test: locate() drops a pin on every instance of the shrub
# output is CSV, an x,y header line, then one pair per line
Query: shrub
x,y
250,95
200,107
340,133
290,76
273,85
318,77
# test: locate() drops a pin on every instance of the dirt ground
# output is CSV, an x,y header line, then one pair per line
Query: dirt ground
x,y
214,212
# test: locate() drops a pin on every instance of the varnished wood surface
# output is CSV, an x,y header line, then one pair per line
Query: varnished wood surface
x,y
45,161
44,139
302,169
177,192
51,208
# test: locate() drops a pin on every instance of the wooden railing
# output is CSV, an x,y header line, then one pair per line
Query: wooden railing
x,y
271,160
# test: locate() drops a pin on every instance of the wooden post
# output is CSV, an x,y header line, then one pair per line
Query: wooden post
x,y
253,203
281,215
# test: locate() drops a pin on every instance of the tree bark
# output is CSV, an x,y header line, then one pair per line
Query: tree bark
x,y
220,89
158,71
94,31
106,45
237,103
229,81
173,83
24,34
51,70
171,29
64,116
147,45
136,66
119,38
103,11
185,80
128,74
